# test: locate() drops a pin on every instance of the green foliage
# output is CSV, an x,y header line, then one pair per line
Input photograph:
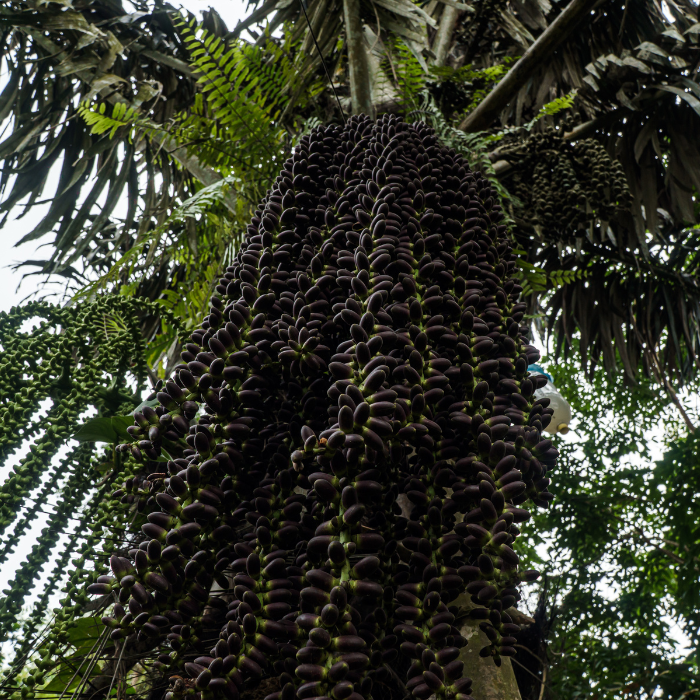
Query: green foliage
x,y
104,429
476,147
459,90
408,73
122,117
488,77
536,280
235,124
238,125
623,532
622,546
67,646
197,237
676,479
559,104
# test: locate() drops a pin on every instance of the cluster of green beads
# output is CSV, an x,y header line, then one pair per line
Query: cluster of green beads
x,y
70,360
566,187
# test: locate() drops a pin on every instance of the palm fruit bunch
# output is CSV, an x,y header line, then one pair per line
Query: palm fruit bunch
x,y
350,438
566,186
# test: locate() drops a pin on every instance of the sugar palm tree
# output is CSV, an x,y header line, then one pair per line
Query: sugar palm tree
x,y
167,133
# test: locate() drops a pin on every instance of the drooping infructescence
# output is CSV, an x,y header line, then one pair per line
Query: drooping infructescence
x,y
367,436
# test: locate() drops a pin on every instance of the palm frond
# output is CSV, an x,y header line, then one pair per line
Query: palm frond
x,y
76,57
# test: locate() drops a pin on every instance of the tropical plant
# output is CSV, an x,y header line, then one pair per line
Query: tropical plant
x,y
85,357
189,125
345,364
637,98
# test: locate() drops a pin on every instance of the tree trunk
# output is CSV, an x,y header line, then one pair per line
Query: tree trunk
x,y
489,681
443,39
360,87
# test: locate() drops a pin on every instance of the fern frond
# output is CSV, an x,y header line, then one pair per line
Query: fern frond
x,y
535,280
197,208
468,74
557,105
554,107
235,124
122,117
407,71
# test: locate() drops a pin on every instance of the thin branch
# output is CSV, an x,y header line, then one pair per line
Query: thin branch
x,y
663,550
32,646
663,380
83,661
529,651
116,670
379,27
527,670
323,63
544,681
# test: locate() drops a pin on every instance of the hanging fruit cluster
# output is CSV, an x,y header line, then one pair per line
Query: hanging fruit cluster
x,y
350,438
567,186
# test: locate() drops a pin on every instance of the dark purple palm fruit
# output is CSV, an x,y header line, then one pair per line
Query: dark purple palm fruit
x,y
367,437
